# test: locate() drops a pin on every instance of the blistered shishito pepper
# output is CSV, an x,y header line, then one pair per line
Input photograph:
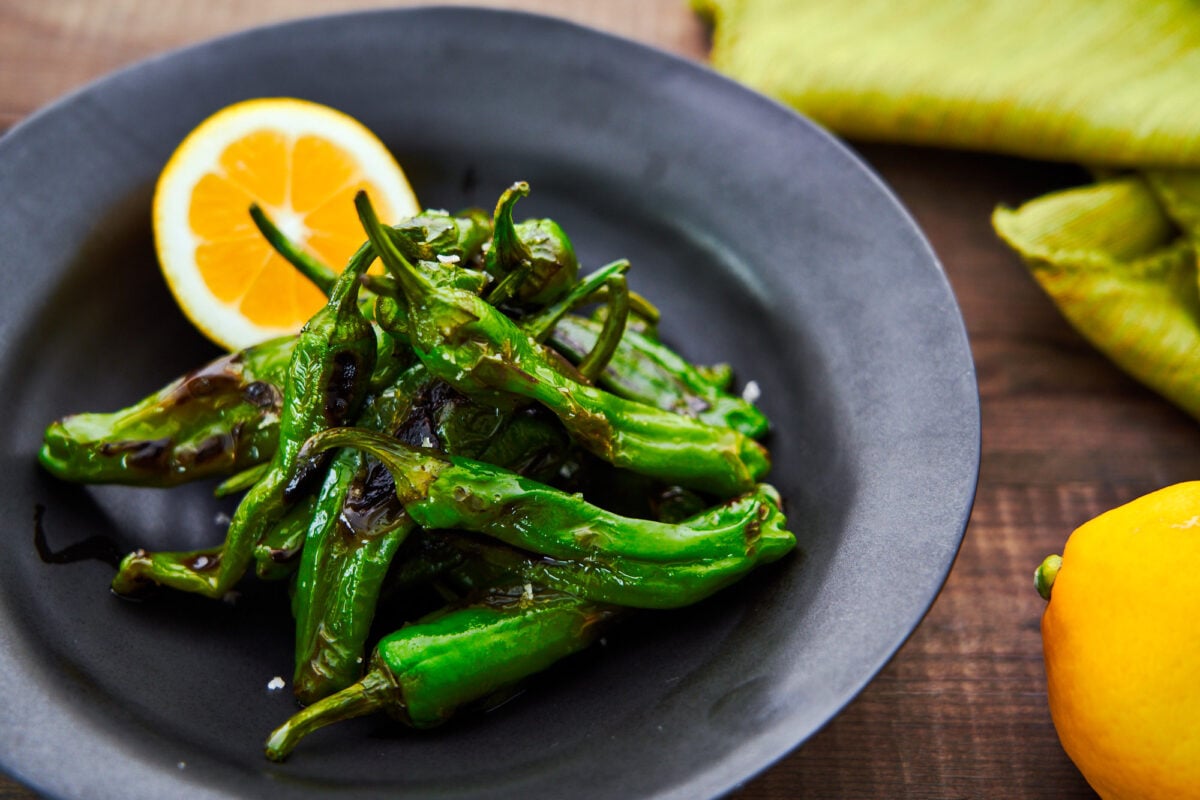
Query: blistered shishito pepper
x,y
478,350
632,562
424,672
462,235
327,381
537,248
216,420
646,370
349,547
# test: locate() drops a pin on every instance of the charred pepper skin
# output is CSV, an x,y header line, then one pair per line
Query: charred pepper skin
x,y
223,419
327,381
348,549
473,347
424,672
358,524
587,550
214,421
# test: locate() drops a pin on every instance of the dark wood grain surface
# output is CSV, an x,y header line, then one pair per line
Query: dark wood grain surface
x,y
961,710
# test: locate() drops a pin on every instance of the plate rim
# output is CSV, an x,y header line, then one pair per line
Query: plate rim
x,y
724,776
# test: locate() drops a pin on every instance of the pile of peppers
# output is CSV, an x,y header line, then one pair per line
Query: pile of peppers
x,y
455,425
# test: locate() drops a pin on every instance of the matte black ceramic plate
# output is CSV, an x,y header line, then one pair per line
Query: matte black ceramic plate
x,y
766,243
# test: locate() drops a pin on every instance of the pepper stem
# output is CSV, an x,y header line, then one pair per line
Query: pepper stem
x,y
507,251
375,691
1044,575
411,281
321,275
508,286
539,325
610,334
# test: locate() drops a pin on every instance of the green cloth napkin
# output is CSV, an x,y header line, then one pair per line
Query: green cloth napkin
x,y
1113,84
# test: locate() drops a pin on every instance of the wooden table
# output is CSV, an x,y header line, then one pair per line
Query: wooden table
x,y
961,710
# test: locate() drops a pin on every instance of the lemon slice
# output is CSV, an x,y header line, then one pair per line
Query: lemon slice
x,y
302,163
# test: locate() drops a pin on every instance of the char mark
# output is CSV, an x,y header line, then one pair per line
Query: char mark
x,y
340,389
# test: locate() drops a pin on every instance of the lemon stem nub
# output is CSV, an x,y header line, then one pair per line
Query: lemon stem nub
x,y
1044,575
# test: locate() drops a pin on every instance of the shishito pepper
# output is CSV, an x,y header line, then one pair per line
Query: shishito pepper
x,y
327,381
478,350
633,562
423,672
646,370
216,420
538,248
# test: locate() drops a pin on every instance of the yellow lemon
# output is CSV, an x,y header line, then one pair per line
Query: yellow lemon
x,y
1121,638
302,163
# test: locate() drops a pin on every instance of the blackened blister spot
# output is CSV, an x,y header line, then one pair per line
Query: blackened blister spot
x,y
144,454
308,471
223,375
419,428
378,486
263,395
340,388
374,507
212,448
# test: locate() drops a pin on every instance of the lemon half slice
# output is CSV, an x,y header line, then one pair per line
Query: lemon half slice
x,y
302,162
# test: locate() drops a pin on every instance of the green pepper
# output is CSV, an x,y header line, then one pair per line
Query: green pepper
x,y
349,547
537,246
646,370
275,554
424,672
327,380
478,350
632,562
216,420
463,235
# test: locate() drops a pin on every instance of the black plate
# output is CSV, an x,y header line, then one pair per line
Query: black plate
x,y
764,240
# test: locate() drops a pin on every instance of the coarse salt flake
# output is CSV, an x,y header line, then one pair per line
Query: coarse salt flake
x,y
751,392
276,683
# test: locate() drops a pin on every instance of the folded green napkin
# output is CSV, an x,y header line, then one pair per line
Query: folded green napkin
x,y
1113,84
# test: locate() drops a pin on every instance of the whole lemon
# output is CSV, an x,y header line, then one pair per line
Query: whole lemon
x,y
1121,638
